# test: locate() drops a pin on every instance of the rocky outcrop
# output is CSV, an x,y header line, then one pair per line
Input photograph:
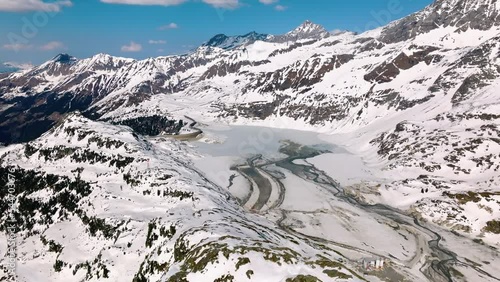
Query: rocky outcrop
x,y
387,71
224,68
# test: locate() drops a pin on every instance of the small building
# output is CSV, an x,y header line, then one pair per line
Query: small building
x,y
374,263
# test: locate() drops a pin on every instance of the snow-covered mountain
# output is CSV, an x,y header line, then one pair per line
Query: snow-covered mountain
x,y
307,30
418,99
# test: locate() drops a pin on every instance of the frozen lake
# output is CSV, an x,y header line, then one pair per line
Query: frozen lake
x,y
292,177
250,140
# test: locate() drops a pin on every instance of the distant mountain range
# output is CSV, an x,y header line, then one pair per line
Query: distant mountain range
x,y
13,67
307,30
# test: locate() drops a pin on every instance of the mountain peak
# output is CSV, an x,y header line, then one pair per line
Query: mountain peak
x,y
64,58
308,27
102,57
308,30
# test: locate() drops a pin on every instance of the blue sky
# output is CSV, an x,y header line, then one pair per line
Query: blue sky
x,y
36,30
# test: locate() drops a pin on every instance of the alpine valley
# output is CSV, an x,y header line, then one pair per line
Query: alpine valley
x,y
294,157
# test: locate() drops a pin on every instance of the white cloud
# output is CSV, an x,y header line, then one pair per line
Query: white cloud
x,y
161,50
23,66
132,47
33,5
145,2
224,4
17,47
336,31
169,26
54,45
157,42
268,2
50,46
280,8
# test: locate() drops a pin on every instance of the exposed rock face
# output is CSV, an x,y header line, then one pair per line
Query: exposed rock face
x,y
480,72
371,45
230,42
223,68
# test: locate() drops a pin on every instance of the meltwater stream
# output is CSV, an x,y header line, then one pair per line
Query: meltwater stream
x,y
438,261
263,164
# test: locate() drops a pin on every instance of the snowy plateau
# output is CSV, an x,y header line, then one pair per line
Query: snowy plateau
x,y
306,156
